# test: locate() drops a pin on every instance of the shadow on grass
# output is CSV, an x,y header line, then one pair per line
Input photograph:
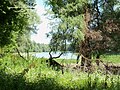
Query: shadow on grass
x,y
18,82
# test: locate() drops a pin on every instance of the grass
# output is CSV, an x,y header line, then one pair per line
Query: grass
x,y
66,61
40,77
107,58
111,58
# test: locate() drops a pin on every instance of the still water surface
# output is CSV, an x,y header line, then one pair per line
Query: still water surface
x,y
67,55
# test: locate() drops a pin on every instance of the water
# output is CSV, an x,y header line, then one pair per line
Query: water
x,y
67,55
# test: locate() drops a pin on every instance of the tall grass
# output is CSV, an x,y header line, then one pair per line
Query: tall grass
x,y
41,77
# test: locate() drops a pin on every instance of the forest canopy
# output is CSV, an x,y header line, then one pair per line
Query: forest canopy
x,y
17,18
79,20
91,27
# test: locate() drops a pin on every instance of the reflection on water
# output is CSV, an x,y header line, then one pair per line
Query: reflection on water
x,y
67,55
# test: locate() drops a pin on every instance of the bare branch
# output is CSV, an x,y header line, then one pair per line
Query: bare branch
x,y
19,53
58,56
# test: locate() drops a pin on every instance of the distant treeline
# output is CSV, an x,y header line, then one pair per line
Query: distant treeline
x,y
32,46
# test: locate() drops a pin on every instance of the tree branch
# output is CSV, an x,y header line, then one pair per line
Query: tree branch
x,y
19,53
58,56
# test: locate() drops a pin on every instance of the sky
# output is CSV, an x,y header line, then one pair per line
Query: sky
x,y
43,28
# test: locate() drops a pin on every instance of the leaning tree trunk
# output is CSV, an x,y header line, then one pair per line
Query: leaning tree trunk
x,y
85,52
85,45
86,60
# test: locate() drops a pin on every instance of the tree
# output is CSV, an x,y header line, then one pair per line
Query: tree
x,y
17,18
99,39
70,25
87,23
111,24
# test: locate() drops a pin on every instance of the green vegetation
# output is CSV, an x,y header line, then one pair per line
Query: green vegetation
x,y
111,58
18,74
33,47
90,28
114,59
17,19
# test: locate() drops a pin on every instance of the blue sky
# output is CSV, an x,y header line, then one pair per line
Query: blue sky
x,y
40,37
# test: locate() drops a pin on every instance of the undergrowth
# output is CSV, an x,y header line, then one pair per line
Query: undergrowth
x,y
41,77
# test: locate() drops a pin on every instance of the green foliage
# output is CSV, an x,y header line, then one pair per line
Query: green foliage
x,y
40,77
70,23
16,20
105,19
111,58
25,45
37,47
71,15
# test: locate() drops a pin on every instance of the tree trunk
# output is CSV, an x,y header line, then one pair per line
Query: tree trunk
x,y
27,51
97,61
78,58
86,60
82,61
85,45
89,62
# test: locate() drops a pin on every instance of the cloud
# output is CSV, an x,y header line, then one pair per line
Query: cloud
x,y
40,37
